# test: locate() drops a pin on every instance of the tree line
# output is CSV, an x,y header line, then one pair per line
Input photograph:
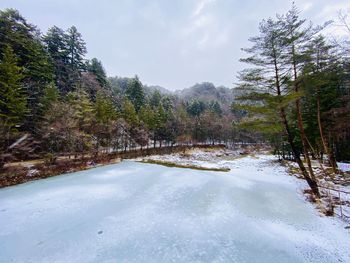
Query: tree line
x,y
295,94
297,91
54,101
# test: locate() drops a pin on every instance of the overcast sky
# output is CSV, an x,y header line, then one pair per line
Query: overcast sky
x,y
171,43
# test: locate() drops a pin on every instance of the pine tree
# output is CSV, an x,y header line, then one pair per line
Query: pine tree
x,y
160,120
148,117
56,45
266,83
83,109
83,114
104,127
13,100
155,99
319,82
95,66
104,109
296,37
25,41
129,113
195,108
50,96
76,48
135,94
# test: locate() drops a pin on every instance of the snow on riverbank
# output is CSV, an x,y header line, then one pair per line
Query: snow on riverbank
x,y
135,212
207,158
334,189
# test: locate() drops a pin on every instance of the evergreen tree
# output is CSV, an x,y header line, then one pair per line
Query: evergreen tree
x,y
296,36
155,99
320,84
104,127
56,45
135,94
267,83
76,48
167,104
104,109
129,113
13,100
83,109
160,120
83,114
50,96
148,117
95,66
24,39
195,108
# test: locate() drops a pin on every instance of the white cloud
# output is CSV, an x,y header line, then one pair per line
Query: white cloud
x,y
306,6
205,28
200,6
197,24
330,11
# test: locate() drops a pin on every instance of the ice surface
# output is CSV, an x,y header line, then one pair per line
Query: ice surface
x,y
345,167
134,212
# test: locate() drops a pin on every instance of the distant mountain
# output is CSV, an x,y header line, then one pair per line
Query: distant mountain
x,y
204,91
120,84
151,89
207,91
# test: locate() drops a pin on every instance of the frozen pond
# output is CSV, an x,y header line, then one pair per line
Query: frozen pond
x,y
133,212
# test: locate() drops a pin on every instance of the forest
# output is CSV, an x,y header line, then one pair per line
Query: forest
x,y
294,96
55,101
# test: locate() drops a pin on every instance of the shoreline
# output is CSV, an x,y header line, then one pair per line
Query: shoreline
x,y
37,169
216,158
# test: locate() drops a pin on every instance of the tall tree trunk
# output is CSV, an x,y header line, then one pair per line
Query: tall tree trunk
x,y
310,181
300,121
304,139
329,152
296,154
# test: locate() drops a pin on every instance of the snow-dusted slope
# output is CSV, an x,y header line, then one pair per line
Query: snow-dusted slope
x,y
133,212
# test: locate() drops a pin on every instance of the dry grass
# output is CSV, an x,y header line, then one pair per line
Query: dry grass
x,y
187,166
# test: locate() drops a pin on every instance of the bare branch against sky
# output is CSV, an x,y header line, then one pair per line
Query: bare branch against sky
x,y
170,43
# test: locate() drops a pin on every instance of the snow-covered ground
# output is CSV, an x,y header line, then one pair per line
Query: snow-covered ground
x,y
332,190
208,158
135,212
